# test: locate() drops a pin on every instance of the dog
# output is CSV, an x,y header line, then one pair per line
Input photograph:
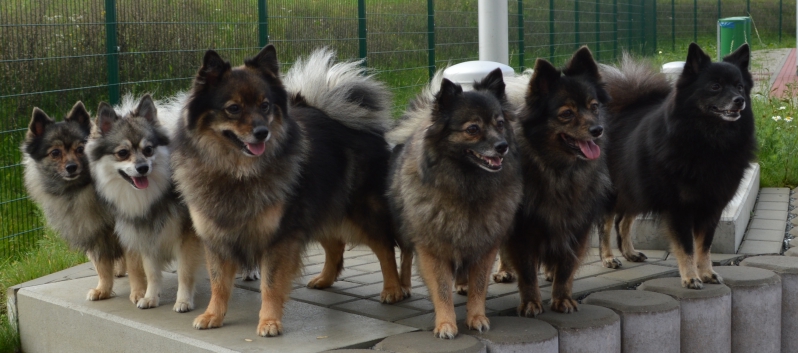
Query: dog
x,y
454,188
57,178
267,164
129,160
566,183
679,153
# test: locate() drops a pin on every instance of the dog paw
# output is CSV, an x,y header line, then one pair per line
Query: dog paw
x,y
612,263
269,328
392,295
636,257
147,303
712,277
503,277
183,306
135,296
461,289
251,275
692,283
320,282
445,330
98,294
207,320
564,305
530,308
478,322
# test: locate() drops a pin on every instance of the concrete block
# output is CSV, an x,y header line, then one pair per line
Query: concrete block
x,y
591,329
376,310
768,224
650,321
591,284
759,247
756,308
319,297
787,268
517,334
425,342
640,273
426,321
774,197
765,234
774,191
705,314
508,304
772,206
791,252
775,215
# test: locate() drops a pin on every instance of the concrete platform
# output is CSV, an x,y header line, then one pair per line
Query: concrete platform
x,y
425,342
510,334
591,329
787,268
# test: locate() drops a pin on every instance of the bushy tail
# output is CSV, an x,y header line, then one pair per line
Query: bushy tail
x,y
516,88
345,91
418,112
635,82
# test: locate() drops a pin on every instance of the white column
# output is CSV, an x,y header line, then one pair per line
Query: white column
x,y
493,31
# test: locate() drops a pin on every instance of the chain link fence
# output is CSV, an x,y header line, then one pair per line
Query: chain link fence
x,y
55,52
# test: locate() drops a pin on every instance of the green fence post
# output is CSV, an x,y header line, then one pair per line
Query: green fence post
x,y
615,29
551,30
654,28
719,9
673,26
629,26
695,21
643,37
521,35
361,29
112,51
598,31
576,24
431,37
748,7
781,2
263,23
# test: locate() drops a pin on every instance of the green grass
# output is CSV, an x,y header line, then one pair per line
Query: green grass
x,y
777,135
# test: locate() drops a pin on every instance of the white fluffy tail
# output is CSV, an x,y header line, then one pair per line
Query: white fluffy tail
x,y
418,113
169,109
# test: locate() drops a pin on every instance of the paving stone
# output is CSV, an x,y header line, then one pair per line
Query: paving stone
x,y
794,220
594,284
426,321
364,291
793,232
419,291
723,259
640,273
369,278
591,270
426,342
705,314
517,334
371,308
792,252
313,269
508,304
763,191
756,308
650,322
313,260
765,234
787,268
758,247
768,224
591,329
423,304
776,197
771,206
350,351
773,215
340,286
369,267
500,289
320,297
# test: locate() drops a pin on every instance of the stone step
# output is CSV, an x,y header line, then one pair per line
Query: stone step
x,y
787,268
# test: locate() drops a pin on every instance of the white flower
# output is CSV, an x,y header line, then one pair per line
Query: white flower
x,y
776,118
788,119
782,107
660,51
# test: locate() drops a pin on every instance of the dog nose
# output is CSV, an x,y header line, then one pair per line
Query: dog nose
x,y
261,132
71,168
142,169
739,101
501,147
596,130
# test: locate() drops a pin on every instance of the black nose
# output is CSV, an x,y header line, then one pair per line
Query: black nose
x,y
261,132
596,130
142,169
739,101
71,168
501,147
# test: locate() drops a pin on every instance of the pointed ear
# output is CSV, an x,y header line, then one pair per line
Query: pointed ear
x,y
213,67
106,117
697,60
38,122
582,63
740,57
80,115
544,77
494,83
447,95
146,109
265,61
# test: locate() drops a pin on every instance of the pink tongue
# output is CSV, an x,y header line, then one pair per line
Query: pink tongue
x,y
141,182
589,149
494,161
256,148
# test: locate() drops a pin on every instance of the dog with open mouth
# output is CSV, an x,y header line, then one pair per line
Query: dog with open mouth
x,y
129,159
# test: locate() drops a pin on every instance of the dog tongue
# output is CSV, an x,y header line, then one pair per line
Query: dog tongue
x,y
256,148
494,161
589,149
141,182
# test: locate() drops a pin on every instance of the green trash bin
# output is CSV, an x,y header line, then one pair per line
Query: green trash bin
x,y
732,33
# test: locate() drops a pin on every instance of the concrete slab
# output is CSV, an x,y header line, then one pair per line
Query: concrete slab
x,y
792,252
766,224
591,329
766,234
774,191
650,322
773,215
640,273
425,342
517,334
593,284
426,321
55,317
759,247
320,297
787,268
377,310
772,206
775,197
508,304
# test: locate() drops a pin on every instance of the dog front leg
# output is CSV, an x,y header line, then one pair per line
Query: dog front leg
x,y
478,276
279,267
438,274
222,272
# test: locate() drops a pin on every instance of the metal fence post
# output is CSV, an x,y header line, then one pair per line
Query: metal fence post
x,y
598,31
551,30
431,37
521,35
576,24
361,29
615,29
673,25
112,51
718,9
263,23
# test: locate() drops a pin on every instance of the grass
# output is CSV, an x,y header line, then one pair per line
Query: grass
x,y
777,134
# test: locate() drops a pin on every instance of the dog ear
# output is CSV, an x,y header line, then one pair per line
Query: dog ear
x,y
213,67
106,117
697,60
582,63
448,94
265,61
493,83
38,122
80,115
146,109
740,57
544,77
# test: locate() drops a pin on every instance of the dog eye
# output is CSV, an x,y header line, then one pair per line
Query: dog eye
x,y
594,107
567,114
55,153
233,109
148,151
265,106
122,154
715,86
500,124
79,150
740,88
472,130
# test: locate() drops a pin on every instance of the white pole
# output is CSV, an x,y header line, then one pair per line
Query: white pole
x,y
493,37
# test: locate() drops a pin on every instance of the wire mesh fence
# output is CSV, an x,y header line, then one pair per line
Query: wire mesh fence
x,y
55,52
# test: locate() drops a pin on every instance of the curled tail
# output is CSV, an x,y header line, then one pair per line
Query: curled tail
x,y
346,91
418,112
634,83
